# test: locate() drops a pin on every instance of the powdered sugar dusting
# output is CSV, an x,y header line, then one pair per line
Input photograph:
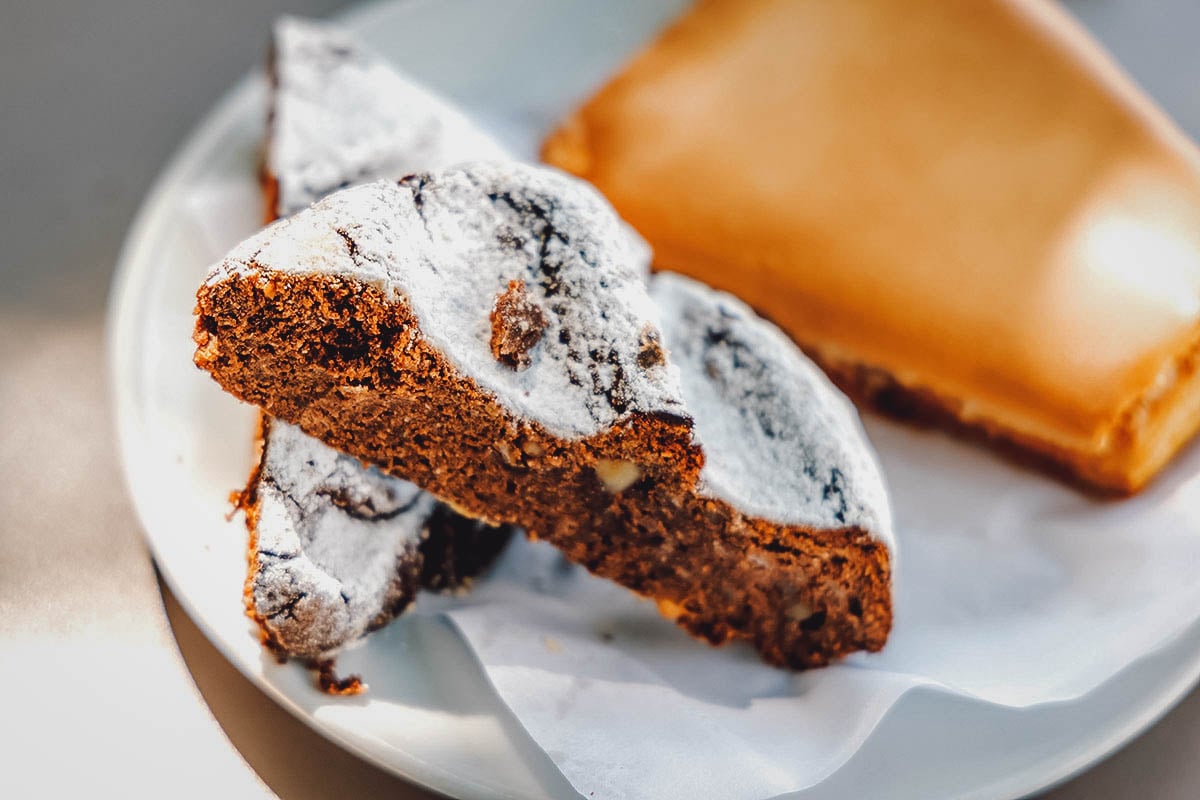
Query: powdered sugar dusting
x,y
780,441
450,241
335,543
342,115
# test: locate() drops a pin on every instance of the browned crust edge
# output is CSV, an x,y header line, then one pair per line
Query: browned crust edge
x,y
875,388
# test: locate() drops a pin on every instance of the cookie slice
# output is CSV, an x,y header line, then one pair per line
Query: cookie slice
x,y
485,332
338,550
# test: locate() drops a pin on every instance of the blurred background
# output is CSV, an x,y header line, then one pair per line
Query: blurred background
x,y
100,677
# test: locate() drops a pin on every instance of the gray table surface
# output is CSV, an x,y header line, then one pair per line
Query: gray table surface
x,y
109,689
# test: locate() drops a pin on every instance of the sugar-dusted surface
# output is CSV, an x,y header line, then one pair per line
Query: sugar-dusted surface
x,y
342,115
449,242
780,442
337,544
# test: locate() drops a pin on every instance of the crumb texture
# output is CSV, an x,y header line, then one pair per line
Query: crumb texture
x,y
342,115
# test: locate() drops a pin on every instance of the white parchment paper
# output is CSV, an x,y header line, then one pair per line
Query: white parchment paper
x,y
1010,588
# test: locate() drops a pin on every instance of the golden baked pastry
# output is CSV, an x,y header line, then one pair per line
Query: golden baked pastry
x,y
962,209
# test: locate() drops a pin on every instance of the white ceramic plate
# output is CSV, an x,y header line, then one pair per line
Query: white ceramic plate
x,y
430,715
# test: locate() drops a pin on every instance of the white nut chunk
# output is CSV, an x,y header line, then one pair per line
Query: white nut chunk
x,y
617,476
